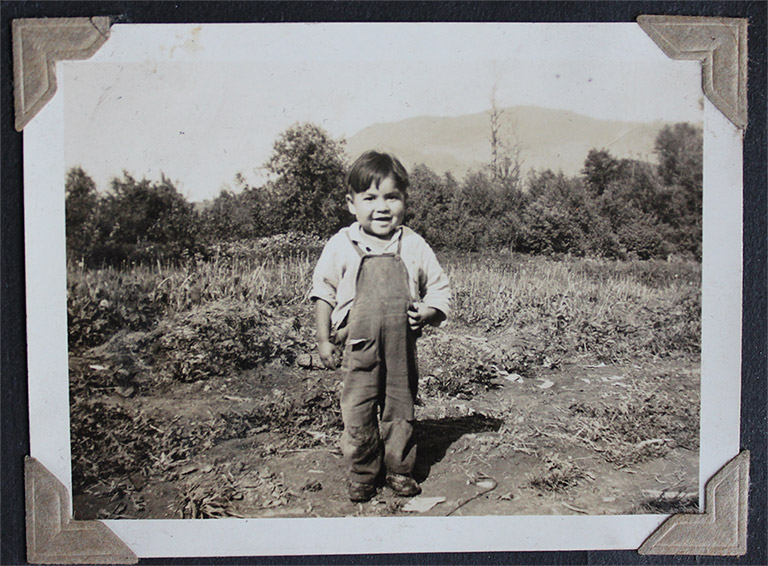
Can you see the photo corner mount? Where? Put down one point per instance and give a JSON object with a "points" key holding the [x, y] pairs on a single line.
{"points": [[54, 537], [38, 43], [721, 530], [721, 46]]}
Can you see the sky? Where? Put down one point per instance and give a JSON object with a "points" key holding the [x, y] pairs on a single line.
{"points": [[203, 103]]}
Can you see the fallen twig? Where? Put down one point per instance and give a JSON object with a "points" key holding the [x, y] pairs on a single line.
{"points": [[652, 441], [574, 508], [294, 450], [463, 502]]}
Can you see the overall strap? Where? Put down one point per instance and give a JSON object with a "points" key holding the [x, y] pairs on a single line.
{"points": [[354, 245]]}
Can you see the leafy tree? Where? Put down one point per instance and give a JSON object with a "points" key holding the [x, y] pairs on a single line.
{"points": [[477, 196], [634, 182], [565, 216], [143, 221], [225, 219], [430, 205], [600, 169], [479, 213], [81, 204], [490, 208], [550, 224], [308, 172], [237, 216], [680, 151]]}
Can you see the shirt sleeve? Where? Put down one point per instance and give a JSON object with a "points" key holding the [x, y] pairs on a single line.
{"points": [[327, 274], [435, 286]]}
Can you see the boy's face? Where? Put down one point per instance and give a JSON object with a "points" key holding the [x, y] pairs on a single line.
{"points": [[379, 210]]}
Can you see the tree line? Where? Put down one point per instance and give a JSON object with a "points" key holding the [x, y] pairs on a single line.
{"points": [[615, 208]]}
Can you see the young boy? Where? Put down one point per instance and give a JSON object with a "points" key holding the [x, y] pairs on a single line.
{"points": [[376, 284]]}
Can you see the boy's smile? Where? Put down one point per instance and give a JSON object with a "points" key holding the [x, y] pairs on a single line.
{"points": [[379, 210]]}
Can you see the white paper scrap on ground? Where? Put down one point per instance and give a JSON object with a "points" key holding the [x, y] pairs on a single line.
{"points": [[421, 504], [545, 384], [606, 379]]}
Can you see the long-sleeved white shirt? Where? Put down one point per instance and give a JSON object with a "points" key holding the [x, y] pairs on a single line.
{"points": [[335, 275]]}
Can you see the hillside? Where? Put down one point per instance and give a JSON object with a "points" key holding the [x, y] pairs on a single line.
{"points": [[555, 139]]}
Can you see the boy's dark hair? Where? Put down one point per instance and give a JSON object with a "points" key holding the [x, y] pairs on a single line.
{"points": [[373, 167]]}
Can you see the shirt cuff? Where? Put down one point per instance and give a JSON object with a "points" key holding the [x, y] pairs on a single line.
{"points": [[314, 295], [441, 306]]}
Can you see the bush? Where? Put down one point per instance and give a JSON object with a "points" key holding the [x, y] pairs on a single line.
{"points": [[222, 337], [136, 222], [146, 221], [235, 216], [102, 302]]}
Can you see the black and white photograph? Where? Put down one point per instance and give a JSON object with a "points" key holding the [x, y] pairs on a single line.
{"points": [[383, 271]]}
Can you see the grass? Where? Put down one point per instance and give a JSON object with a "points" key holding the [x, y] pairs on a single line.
{"points": [[614, 311], [241, 311], [231, 314], [650, 419], [104, 301]]}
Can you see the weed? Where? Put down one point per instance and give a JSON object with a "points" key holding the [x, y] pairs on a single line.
{"points": [[209, 496], [645, 424], [669, 503], [223, 337], [559, 475], [102, 302], [278, 246]]}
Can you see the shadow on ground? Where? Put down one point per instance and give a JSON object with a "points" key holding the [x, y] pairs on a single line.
{"points": [[435, 436]]}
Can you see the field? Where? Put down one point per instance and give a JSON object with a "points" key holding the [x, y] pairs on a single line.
{"points": [[558, 386]]}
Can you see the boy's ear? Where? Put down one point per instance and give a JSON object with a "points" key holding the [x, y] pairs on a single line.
{"points": [[350, 204]]}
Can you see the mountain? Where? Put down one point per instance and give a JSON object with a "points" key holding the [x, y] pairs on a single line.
{"points": [[549, 139]]}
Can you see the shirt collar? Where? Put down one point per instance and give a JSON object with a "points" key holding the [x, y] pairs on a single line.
{"points": [[357, 236]]}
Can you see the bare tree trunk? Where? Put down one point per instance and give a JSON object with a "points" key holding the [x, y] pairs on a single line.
{"points": [[506, 150], [495, 135]]}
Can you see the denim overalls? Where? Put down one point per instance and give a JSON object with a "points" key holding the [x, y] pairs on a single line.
{"points": [[380, 370]]}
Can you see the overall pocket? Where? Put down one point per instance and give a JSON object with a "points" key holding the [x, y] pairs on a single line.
{"points": [[360, 354]]}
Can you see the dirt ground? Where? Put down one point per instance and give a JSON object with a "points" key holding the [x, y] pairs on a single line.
{"points": [[510, 445]]}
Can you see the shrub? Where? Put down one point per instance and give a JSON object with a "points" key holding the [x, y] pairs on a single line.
{"points": [[222, 337], [143, 222]]}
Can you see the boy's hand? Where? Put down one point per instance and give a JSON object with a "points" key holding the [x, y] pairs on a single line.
{"points": [[419, 314], [329, 354]]}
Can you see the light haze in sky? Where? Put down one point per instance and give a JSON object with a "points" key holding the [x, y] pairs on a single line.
{"points": [[203, 103]]}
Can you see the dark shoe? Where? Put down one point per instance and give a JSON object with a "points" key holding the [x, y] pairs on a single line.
{"points": [[361, 492], [404, 486]]}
